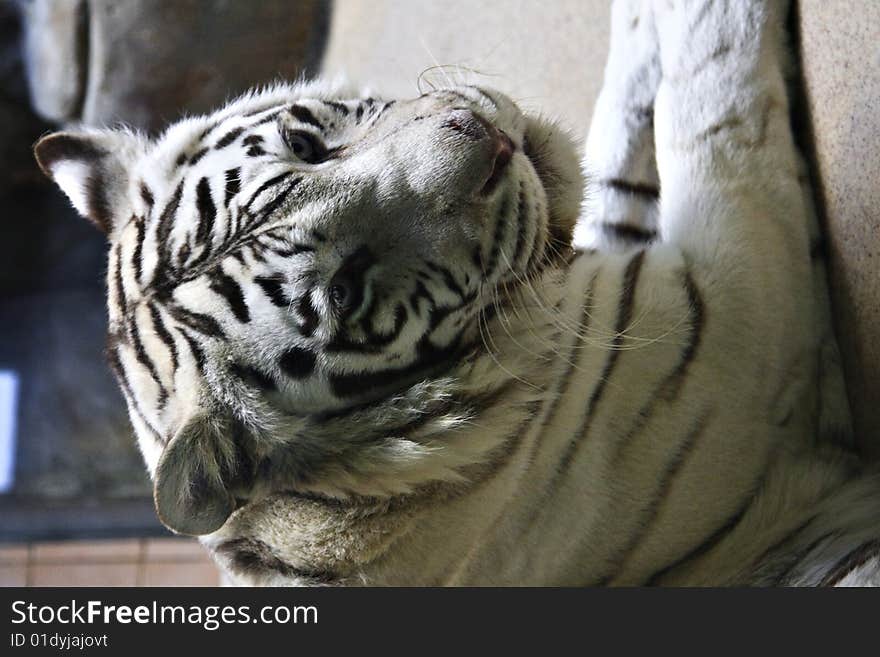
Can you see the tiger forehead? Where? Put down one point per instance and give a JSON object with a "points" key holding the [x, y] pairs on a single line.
{"points": [[187, 142], [210, 166]]}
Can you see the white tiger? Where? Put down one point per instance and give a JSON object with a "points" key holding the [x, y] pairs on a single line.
{"points": [[358, 346]]}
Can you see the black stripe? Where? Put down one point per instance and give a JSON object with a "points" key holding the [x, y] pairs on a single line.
{"points": [[204, 133], [638, 189], [228, 138], [256, 250], [228, 288], [147, 196], [728, 526], [627, 233], [252, 376], [309, 315], [448, 278], [266, 119], [669, 388], [255, 151], [421, 292], [198, 155], [267, 210], [204, 324], [565, 380], [477, 258], [701, 549], [252, 140], [498, 235], [207, 211], [121, 376], [256, 112], [183, 254], [382, 111], [292, 250], [163, 334], [121, 302], [536, 251], [163, 241], [233, 184], [144, 359], [649, 515], [304, 115], [359, 384], [374, 342], [440, 313], [624, 314], [697, 320], [272, 288], [197, 352], [137, 256], [520, 226], [339, 107], [275, 180], [297, 363]]}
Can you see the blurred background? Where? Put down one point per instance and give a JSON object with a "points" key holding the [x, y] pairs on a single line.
{"points": [[75, 501]]}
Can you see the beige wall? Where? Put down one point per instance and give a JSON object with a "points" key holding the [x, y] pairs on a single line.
{"points": [[840, 54], [548, 55]]}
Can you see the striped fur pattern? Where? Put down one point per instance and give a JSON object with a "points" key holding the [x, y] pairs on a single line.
{"points": [[371, 341]]}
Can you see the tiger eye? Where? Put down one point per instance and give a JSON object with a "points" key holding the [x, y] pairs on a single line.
{"points": [[304, 145]]}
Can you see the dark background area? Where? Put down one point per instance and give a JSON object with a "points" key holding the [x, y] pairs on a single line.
{"points": [[77, 467], [78, 472]]}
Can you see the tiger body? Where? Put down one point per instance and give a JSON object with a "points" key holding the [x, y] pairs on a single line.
{"points": [[380, 342]]}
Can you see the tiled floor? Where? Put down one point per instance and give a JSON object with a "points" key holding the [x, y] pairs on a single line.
{"points": [[133, 562]]}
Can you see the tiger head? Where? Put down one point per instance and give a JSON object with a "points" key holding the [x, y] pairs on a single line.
{"points": [[300, 259]]}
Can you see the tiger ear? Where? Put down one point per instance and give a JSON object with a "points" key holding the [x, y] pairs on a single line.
{"points": [[92, 169], [195, 476]]}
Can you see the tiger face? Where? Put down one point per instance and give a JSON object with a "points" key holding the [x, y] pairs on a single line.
{"points": [[302, 253]]}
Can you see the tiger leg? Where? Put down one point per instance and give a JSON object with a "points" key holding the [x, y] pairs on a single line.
{"points": [[732, 201], [623, 187], [736, 193], [733, 204]]}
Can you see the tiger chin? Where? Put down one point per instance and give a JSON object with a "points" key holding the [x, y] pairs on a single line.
{"points": [[385, 341]]}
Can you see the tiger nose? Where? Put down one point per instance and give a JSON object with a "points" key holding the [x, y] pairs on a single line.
{"points": [[492, 147], [346, 286]]}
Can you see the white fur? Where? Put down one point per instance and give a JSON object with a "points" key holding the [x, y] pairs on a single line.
{"points": [[672, 413], [71, 176]]}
